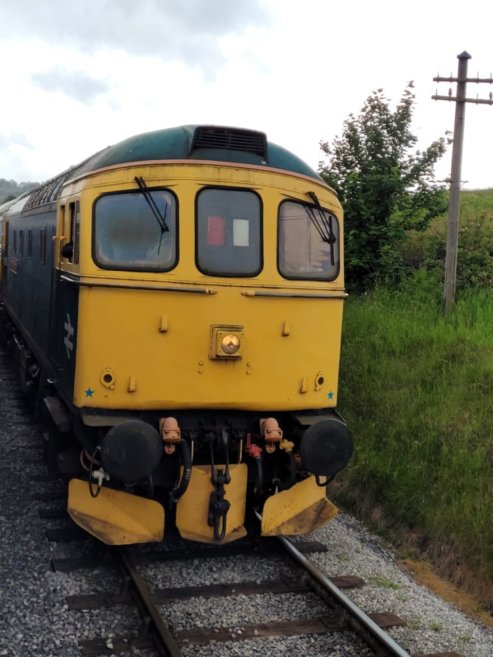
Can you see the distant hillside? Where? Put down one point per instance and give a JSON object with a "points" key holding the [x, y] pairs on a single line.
{"points": [[10, 189]]}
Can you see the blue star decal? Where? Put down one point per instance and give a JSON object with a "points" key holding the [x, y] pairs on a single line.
{"points": [[330, 395], [89, 392]]}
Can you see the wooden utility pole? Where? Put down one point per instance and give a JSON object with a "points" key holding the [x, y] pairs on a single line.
{"points": [[460, 100]]}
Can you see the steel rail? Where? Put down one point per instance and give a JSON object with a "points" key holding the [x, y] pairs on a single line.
{"points": [[379, 640], [156, 626]]}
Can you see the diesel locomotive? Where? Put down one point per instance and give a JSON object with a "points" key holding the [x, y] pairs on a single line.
{"points": [[174, 307]]}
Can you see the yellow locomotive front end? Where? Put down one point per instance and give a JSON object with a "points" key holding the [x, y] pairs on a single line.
{"points": [[208, 328]]}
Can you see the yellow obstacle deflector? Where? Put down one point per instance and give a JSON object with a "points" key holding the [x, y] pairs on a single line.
{"points": [[115, 517], [298, 510], [192, 511]]}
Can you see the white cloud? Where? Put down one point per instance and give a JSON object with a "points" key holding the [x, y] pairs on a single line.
{"points": [[170, 29], [76, 84], [85, 75]]}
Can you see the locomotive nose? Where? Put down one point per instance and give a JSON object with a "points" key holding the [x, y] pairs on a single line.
{"points": [[326, 447], [131, 451]]}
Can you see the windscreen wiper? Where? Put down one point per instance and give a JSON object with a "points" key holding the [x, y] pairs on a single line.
{"points": [[323, 224], [160, 218]]}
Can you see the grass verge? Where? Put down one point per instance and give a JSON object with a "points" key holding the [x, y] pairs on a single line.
{"points": [[416, 390]]}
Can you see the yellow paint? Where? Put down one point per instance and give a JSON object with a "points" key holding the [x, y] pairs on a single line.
{"points": [[297, 511], [303, 386], [193, 507], [115, 517], [126, 328], [167, 370]]}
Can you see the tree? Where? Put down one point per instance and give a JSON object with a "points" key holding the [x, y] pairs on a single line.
{"points": [[10, 189], [384, 187]]}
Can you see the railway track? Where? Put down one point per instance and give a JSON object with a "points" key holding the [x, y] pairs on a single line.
{"points": [[326, 610]]}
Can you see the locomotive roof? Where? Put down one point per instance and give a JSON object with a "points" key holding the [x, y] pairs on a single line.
{"points": [[198, 142], [189, 142]]}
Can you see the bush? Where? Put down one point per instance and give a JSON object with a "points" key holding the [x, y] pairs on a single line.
{"points": [[475, 250]]}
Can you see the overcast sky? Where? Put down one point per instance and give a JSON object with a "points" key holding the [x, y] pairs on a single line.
{"points": [[79, 75]]}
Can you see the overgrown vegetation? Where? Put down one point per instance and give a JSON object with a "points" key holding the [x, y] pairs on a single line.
{"points": [[416, 389], [384, 186]]}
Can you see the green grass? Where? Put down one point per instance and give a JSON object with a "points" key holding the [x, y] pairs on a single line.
{"points": [[416, 390], [384, 583]]}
